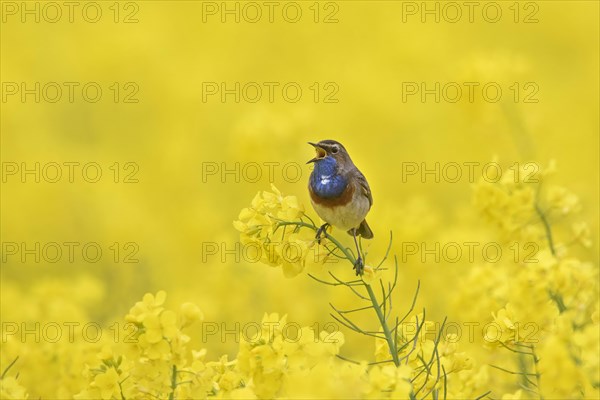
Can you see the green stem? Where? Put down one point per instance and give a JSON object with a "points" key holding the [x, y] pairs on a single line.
{"points": [[546, 228], [384, 325], [560, 303], [344, 250], [544, 220], [121, 390], [536, 360], [7, 368], [380, 316], [173, 383]]}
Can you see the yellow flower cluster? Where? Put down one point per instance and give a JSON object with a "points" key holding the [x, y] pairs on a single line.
{"points": [[535, 307], [431, 362], [280, 351], [277, 362], [543, 310], [522, 205], [539, 317], [156, 361], [48, 336], [270, 226]]}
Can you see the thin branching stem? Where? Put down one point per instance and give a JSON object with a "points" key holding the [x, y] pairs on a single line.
{"points": [[384, 301], [355, 328], [414, 302], [355, 309], [173, 382], [345, 283], [445, 382], [547, 228], [323, 281], [426, 364], [349, 287], [538, 376], [483, 395], [511, 372], [415, 338], [391, 287], [341, 357], [376, 304], [8, 367], [384, 325], [515, 350], [545, 222], [387, 252]]}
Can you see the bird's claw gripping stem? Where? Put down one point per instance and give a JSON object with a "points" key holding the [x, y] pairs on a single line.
{"points": [[359, 266], [320, 232]]}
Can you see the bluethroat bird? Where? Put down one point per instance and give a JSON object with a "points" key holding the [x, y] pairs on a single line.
{"points": [[340, 193]]}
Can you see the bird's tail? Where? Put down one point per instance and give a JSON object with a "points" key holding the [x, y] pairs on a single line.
{"points": [[363, 230]]}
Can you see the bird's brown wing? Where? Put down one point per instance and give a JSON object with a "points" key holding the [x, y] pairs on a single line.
{"points": [[364, 186]]}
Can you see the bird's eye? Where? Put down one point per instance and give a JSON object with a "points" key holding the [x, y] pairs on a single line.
{"points": [[334, 150]]}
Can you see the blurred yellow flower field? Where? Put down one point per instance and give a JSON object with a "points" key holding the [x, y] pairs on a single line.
{"points": [[158, 239]]}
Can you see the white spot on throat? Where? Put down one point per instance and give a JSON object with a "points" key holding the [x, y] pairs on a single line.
{"points": [[325, 179]]}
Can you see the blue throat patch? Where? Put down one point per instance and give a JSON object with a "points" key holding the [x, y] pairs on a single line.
{"points": [[325, 181]]}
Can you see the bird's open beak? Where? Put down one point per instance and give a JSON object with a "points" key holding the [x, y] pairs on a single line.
{"points": [[321, 153]]}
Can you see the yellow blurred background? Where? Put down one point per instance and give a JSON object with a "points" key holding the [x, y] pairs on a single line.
{"points": [[187, 153]]}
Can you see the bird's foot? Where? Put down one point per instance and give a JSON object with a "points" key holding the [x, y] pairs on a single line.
{"points": [[359, 266], [320, 232]]}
